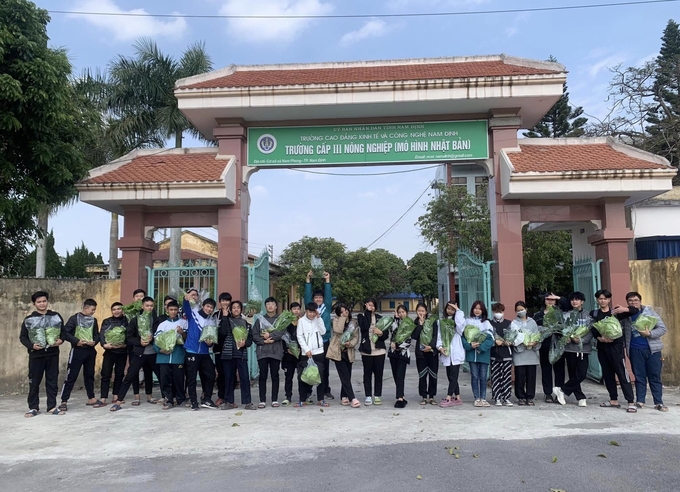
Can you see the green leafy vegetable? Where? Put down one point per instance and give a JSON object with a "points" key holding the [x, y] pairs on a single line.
{"points": [[508, 337], [609, 328], [310, 374], [427, 332], [383, 324], [52, 334], [447, 328], [294, 348], [473, 334], [209, 332], [144, 322], [167, 340], [282, 322], [348, 334], [36, 335], [644, 322], [404, 330], [133, 309], [240, 333], [253, 306], [115, 335], [84, 333]]}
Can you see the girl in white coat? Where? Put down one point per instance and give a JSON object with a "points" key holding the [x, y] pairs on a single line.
{"points": [[456, 356]]}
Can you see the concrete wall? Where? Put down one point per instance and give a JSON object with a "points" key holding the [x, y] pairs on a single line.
{"points": [[658, 281], [66, 297], [649, 221]]}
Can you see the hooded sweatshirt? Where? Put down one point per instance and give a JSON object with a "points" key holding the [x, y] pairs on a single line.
{"points": [[79, 319], [109, 323], [521, 355], [54, 319], [267, 350], [654, 340]]}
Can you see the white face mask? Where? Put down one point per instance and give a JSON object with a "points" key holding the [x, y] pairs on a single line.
{"points": [[521, 314], [498, 316]]}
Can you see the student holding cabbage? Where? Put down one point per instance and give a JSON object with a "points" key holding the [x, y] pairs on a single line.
{"points": [[546, 318], [501, 357], [82, 332], [374, 331], [43, 359], [113, 339], [477, 342], [235, 337], [310, 332], [291, 354], [341, 351], [610, 348], [643, 332], [451, 351], [525, 354], [169, 344], [399, 354], [427, 363]]}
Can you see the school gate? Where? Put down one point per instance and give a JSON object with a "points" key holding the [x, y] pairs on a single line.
{"points": [[458, 110]]}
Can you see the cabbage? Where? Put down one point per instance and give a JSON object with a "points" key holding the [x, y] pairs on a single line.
{"points": [[167, 340], [427, 332], [348, 334], [531, 337], [508, 337], [294, 348], [383, 324], [115, 335], [144, 322], [84, 333], [404, 330], [240, 333], [447, 328], [209, 332], [645, 322], [52, 334], [282, 322], [553, 317], [609, 328], [473, 334], [310, 374]]}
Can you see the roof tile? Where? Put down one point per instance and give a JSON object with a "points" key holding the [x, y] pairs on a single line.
{"points": [[357, 74], [165, 168], [586, 157]]}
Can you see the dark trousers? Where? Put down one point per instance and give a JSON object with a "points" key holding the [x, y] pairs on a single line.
{"points": [[647, 367], [137, 363], [428, 367], [325, 374], [135, 383], [612, 360], [525, 382], [172, 382], [452, 375], [399, 374], [200, 365], [305, 390], [112, 361], [230, 368], [80, 358], [547, 369], [577, 365], [289, 367], [344, 368], [37, 368], [272, 366], [374, 366], [220, 376]]}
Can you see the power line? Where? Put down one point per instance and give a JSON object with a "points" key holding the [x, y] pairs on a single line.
{"points": [[364, 174], [402, 216], [363, 16]]}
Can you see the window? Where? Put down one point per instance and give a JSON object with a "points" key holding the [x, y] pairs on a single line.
{"points": [[392, 305], [481, 186], [458, 181], [406, 303]]}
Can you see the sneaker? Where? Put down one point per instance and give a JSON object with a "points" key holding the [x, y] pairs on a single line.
{"points": [[209, 404], [377, 400], [485, 403], [329, 396], [478, 403], [499, 403], [508, 403], [582, 403], [368, 401], [559, 395], [194, 406], [250, 406]]}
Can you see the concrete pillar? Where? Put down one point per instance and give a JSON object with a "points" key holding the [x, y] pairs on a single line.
{"points": [[232, 220], [506, 222], [611, 246], [137, 254]]}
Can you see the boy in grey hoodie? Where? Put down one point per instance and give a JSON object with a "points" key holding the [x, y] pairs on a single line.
{"points": [[269, 351]]}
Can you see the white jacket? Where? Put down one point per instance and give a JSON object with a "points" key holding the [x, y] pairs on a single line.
{"points": [[310, 335], [456, 349]]}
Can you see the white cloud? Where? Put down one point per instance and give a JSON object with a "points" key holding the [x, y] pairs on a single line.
{"points": [[367, 194], [259, 190], [371, 29], [513, 28], [604, 63], [271, 30], [127, 28]]}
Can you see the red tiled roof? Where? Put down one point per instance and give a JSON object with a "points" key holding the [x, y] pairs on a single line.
{"points": [[586, 157], [187, 254], [165, 168], [356, 74]]}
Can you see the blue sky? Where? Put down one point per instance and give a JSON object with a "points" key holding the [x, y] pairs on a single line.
{"points": [[354, 210]]}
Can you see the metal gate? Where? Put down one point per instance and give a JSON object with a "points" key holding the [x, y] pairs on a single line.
{"points": [[258, 290], [587, 279], [474, 280], [175, 280]]}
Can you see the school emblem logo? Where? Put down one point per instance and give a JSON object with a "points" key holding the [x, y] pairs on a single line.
{"points": [[266, 143]]}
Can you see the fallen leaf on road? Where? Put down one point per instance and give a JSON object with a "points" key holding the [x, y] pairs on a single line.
{"points": [[419, 477], [235, 425], [321, 410], [475, 456], [238, 414], [601, 455], [614, 443], [456, 456], [554, 460], [456, 447], [557, 490], [395, 414], [480, 414], [451, 451]]}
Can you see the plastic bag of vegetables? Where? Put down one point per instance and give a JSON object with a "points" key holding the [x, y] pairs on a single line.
{"points": [[52, 334], [84, 328], [115, 335], [310, 374], [240, 333], [383, 324], [209, 331], [36, 330], [167, 340], [645, 322], [609, 328], [473, 334], [404, 330], [348, 334], [447, 328], [427, 332]]}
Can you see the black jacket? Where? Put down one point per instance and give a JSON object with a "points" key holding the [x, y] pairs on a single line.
{"points": [[433, 343], [69, 332], [24, 339], [292, 332], [225, 341], [499, 328], [364, 320], [133, 338], [109, 323]]}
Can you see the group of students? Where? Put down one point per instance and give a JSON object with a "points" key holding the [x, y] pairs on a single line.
{"points": [[322, 339]]}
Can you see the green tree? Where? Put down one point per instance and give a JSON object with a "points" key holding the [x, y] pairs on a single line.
{"points": [[53, 266], [371, 274], [561, 121], [422, 276], [44, 127], [75, 263], [547, 262]]}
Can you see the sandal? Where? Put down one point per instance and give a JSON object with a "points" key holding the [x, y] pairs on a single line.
{"points": [[63, 407], [55, 411], [356, 403], [324, 404], [98, 404], [631, 409], [275, 404], [136, 403], [31, 413], [423, 401], [153, 401], [661, 408], [167, 406], [640, 405], [116, 407], [433, 402], [300, 404], [608, 404], [344, 401], [261, 405]]}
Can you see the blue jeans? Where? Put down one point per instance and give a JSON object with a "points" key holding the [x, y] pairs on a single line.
{"points": [[647, 367], [478, 377]]}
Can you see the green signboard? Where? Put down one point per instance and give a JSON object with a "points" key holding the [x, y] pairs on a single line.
{"points": [[397, 143]]}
